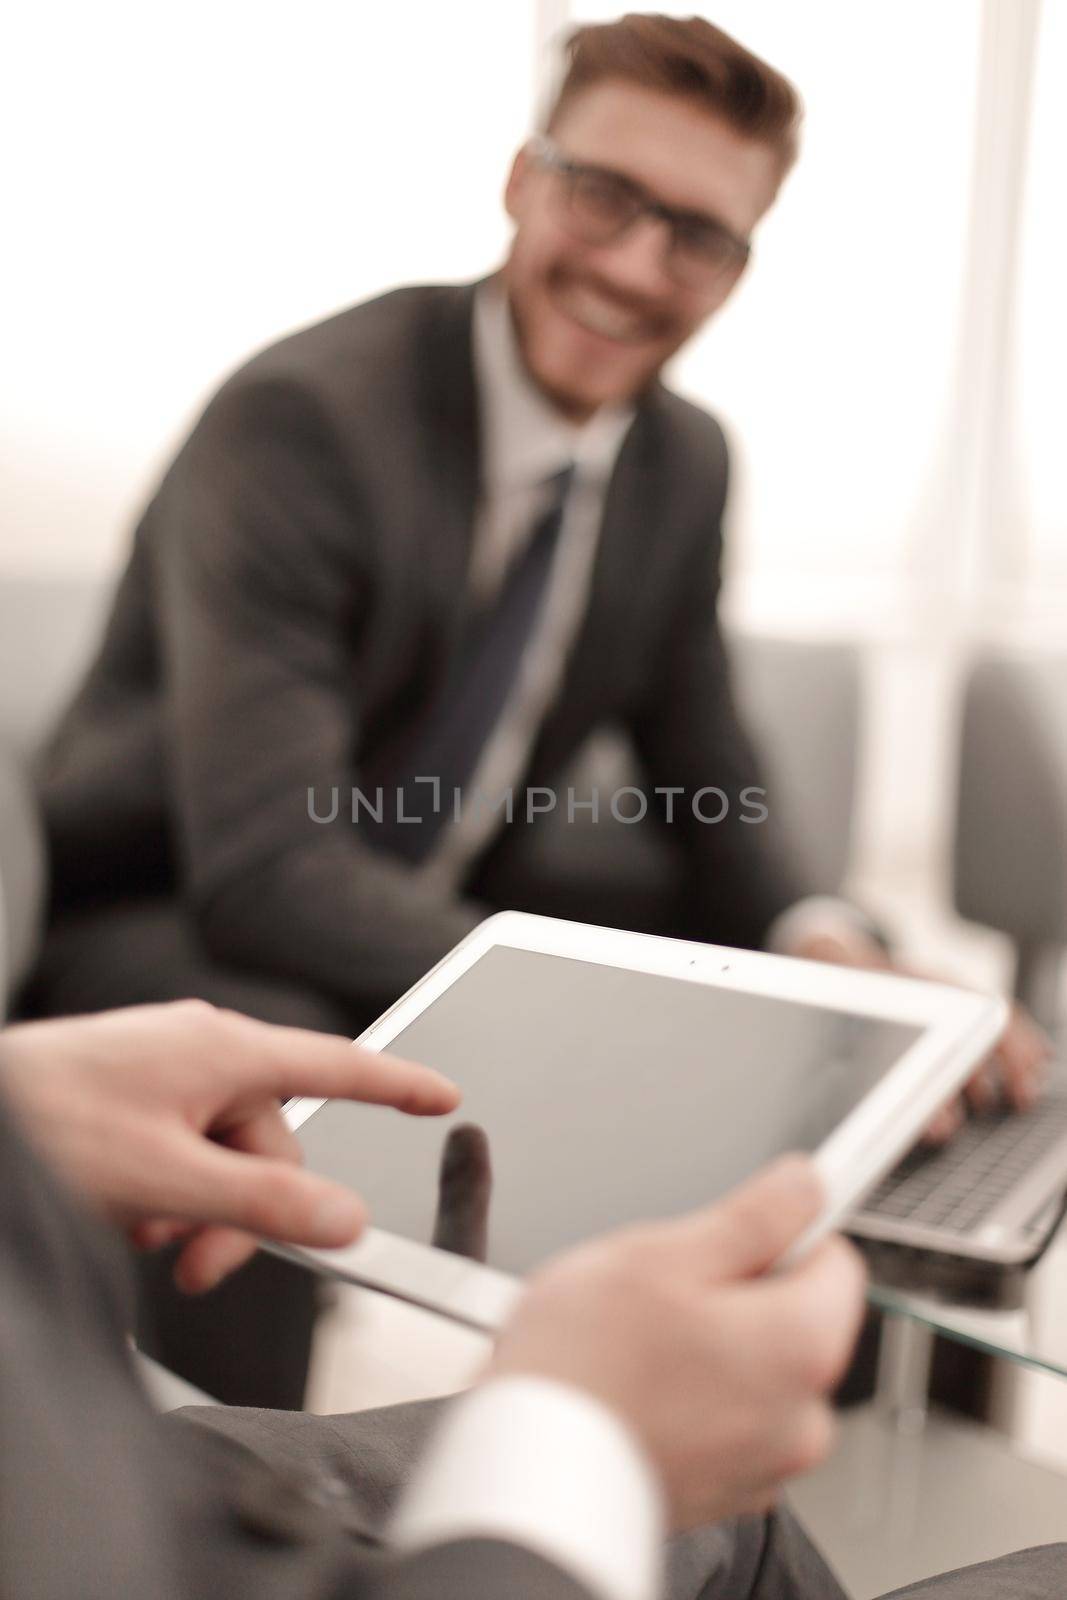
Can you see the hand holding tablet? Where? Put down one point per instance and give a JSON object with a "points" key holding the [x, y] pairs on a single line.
{"points": [[685, 1309]]}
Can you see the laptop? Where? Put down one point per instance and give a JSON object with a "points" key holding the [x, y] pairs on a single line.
{"points": [[965, 1219]]}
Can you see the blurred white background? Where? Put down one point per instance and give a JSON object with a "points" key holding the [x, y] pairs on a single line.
{"points": [[185, 185]]}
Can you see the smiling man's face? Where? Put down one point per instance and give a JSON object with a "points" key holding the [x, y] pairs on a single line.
{"points": [[596, 322]]}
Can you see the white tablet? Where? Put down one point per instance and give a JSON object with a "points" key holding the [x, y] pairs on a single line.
{"points": [[613, 1076]]}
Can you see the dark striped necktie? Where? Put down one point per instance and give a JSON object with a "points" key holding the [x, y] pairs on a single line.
{"points": [[474, 693]]}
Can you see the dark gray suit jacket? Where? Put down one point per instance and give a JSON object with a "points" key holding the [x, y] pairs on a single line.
{"points": [[296, 588]]}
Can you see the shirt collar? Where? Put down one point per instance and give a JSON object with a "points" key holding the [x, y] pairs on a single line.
{"points": [[525, 439]]}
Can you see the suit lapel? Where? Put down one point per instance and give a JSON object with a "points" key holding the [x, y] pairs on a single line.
{"points": [[450, 429]]}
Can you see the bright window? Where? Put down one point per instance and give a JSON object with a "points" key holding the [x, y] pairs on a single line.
{"points": [[833, 365]]}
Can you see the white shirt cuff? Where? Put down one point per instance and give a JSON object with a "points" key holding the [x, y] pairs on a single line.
{"points": [[539, 1464], [818, 916]]}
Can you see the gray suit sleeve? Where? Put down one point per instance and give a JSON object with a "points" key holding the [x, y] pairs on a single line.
{"points": [[1035, 1574], [370, 1456], [366, 1458], [264, 573], [472, 1569]]}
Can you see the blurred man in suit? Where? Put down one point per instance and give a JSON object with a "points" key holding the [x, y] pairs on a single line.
{"points": [[428, 547], [652, 1381], [408, 561]]}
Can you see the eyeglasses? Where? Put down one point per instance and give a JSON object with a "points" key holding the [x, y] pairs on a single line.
{"points": [[601, 206]]}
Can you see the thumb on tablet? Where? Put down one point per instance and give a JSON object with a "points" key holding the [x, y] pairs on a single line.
{"points": [[748, 1230]]}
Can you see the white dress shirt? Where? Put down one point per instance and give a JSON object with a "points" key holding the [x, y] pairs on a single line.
{"points": [[526, 443], [544, 1466]]}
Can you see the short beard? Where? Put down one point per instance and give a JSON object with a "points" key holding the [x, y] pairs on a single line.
{"points": [[575, 408]]}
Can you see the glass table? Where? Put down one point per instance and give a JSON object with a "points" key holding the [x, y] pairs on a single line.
{"points": [[1030, 1336], [1015, 1335], [915, 1487]]}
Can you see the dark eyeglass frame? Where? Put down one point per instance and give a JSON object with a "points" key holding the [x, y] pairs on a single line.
{"points": [[682, 224]]}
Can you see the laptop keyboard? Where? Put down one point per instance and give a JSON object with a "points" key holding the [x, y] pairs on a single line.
{"points": [[957, 1186]]}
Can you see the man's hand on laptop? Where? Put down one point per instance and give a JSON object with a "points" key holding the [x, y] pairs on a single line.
{"points": [[720, 1369], [168, 1120], [1012, 1073]]}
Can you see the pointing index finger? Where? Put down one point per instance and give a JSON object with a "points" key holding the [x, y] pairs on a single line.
{"points": [[391, 1081], [295, 1061]]}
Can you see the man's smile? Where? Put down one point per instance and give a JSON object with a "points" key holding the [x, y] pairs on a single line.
{"points": [[597, 313]]}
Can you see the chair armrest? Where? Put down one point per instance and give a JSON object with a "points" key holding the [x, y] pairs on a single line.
{"points": [[1010, 868], [22, 873], [803, 701]]}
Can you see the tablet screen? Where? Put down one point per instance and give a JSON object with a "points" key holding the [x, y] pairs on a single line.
{"points": [[596, 1097]]}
